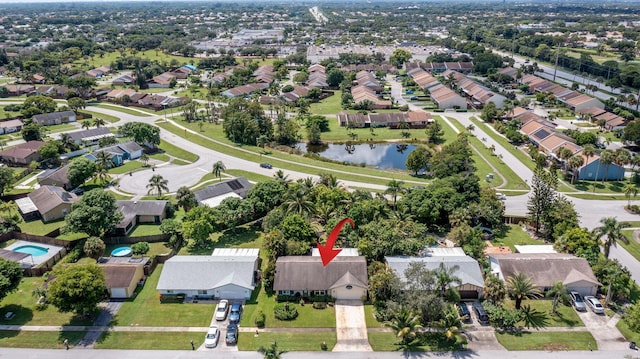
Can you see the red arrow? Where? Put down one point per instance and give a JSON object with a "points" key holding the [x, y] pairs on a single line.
{"points": [[327, 253]]}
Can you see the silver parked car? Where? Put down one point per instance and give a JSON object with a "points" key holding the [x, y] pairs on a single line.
{"points": [[578, 302], [594, 303], [211, 339]]}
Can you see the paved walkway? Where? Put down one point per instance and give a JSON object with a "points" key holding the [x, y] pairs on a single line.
{"points": [[351, 327], [109, 310]]}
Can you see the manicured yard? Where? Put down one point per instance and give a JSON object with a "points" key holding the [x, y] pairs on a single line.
{"points": [[146, 310], [39, 227], [160, 157], [127, 110], [150, 340], [145, 230], [624, 329], [254, 177], [633, 247], [23, 304], [103, 116], [160, 56], [329, 106], [566, 317], [126, 167], [38, 340], [59, 128], [177, 152], [287, 341], [372, 322], [548, 341], [386, 341], [512, 236]]}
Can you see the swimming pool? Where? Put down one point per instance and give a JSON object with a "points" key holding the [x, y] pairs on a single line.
{"points": [[35, 251], [121, 252]]}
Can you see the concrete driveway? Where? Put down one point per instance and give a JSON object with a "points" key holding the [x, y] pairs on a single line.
{"points": [[482, 338], [604, 330], [351, 327]]}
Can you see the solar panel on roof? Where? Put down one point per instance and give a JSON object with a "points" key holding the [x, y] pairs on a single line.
{"points": [[542, 133], [235, 185]]}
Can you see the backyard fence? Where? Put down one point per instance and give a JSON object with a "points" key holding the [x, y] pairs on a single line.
{"points": [[131, 240]]}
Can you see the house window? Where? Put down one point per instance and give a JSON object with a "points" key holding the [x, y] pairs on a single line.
{"points": [[169, 292], [349, 286], [202, 292], [284, 292], [319, 292]]}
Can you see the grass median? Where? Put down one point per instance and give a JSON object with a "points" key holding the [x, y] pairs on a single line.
{"points": [[548, 341], [151, 340], [134, 112], [287, 341]]}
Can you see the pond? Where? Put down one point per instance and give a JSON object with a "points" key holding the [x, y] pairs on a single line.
{"points": [[381, 155]]}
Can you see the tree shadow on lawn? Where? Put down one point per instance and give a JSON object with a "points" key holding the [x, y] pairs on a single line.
{"points": [[566, 321], [22, 315], [615, 187]]}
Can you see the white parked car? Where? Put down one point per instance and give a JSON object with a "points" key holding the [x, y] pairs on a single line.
{"points": [[594, 304], [211, 339], [501, 196], [222, 309]]}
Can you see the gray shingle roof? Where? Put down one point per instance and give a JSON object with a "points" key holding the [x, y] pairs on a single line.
{"points": [[469, 270], [207, 272], [130, 209], [236, 185], [53, 115], [48, 197], [307, 272], [80, 135]]}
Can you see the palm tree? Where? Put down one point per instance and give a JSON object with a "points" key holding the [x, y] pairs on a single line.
{"points": [[86, 124], [394, 188], [185, 198], [101, 175], [612, 229], [574, 163], [405, 324], [629, 189], [158, 184], [559, 292], [446, 276], [329, 180], [98, 122], [298, 202], [281, 177], [104, 159], [217, 170], [66, 141], [145, 159], [272, 352], [606, 158], [521, 287]]}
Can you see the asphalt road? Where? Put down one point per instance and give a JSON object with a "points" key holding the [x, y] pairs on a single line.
{"points": [[11, 353]]}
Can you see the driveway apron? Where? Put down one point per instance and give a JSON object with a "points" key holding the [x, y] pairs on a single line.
{"points": [[351, 327]]}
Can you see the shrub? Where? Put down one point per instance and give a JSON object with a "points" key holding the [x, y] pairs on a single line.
{"points": [[323, 346], [140, 248], [319, 305], [260, 319], [285, 311]]}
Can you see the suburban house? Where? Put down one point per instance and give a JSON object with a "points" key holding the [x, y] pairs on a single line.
{"points": [[98, 72], [594, 170], [124, 80], [575, 100], [55, 177], [89, 136], [478, 94], [228, 273], [467, 269], [245, 90], [49, 202], [10, 126], [546, 269], [344, 278], [129, 150], [161, 81], [122, 275], [446, 98], [140, 211], [22, 154], [363, 93], [53, 91], [19, 90], [414, 119], [213, 195], [54, 118]]}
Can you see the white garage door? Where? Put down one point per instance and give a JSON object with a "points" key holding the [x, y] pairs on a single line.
{"points": [[118, 293], [348, 292], [231, 295]]}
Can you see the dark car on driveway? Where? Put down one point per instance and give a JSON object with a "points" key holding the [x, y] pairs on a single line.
{"points": [[481, 314], [266, 165], [463, 311], [232, 334], [236, 311]]}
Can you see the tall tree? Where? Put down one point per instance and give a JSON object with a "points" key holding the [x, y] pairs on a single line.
{"points": [[94, 247], [157, 184], [94, 214], [521, 287], [405, 324], [80, 170], [612, 230], [560, 293], [77, 288], [394, 188], [542, 197], [445, 276], [185, 198], [574, 163], [630, 189], [10, 276], [218, 169], [6, 179]]}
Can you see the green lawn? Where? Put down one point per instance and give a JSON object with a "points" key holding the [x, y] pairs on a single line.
{"points": [[244, 237], [160, 157], [287, 341], [123, 109], [566, 317], [126, 167], [159, 56], [59, 128], [107, 118], [513, 235], [633, 247], [177, 152], [624, 329], [371, 320], [254, 177], [386, 341], [23, 304], [523, 157], [150, 340], [329, 106], [39, 227], [145, 230], [548, 341], [38, 340], [146, 310]]}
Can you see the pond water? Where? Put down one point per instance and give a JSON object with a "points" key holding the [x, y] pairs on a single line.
{"points": [[381, 155]]}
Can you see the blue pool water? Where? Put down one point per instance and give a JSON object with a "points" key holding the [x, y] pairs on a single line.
{"points": [[35, 251], [121, 252]]}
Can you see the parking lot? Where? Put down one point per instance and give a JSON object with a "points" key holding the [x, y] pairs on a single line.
{"points": [[222, 326]]}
